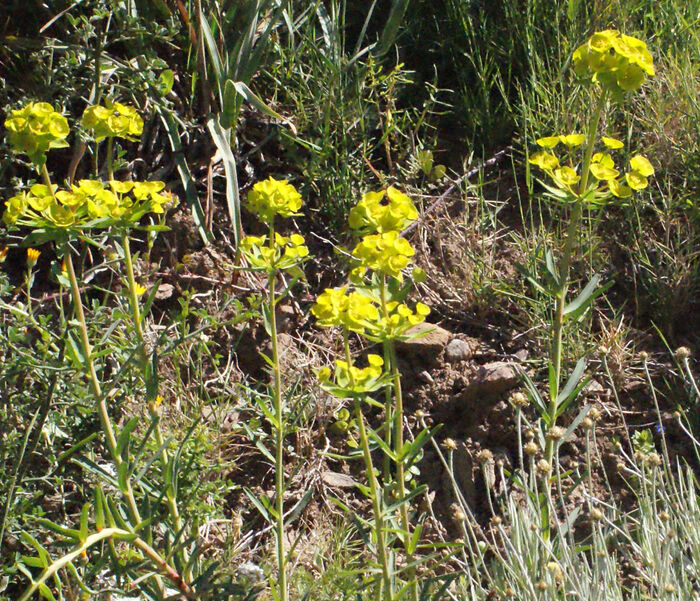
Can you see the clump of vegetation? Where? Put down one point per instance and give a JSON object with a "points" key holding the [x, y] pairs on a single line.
{"points": [[226, 373]]}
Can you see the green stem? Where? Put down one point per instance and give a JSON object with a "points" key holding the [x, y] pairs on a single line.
{"points": [[102, 410], [401, 466], [109, 159], [388, 406], [375, 490], [387, 593], [564, 272], [143, 357], [279, 431]]}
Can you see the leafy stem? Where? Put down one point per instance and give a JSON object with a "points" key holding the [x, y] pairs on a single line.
{"points": [[564, 273], [279, 429]]}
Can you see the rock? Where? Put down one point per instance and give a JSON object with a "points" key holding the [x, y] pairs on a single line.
{"points": [[164, 291], [461, 350], [336, 480], [491, 379], [430, 344], [425, 376]]}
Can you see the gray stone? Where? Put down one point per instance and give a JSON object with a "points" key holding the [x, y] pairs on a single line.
{"points": [[337, 480], [432, 339], [491, 379], [460, 350]]}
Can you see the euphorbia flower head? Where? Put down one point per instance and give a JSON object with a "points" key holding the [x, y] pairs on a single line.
{"points": [[617, 61], [274, 197], [36, 128], [384, 211]]}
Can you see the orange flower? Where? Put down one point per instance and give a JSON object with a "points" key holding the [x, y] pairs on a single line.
{"points": [[32, 257]]}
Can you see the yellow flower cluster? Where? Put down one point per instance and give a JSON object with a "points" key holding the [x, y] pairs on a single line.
{"points": [[617, 61], [34, 129], [602, 168], [285, 253], [337, 307], [85, 202], [387, 253], [384, 211], [398, 320], [351, 380], [116, 120], [274, 197]]}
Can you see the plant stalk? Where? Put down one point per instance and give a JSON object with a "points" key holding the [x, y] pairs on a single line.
{"points": [[279, 432], [564, 273]]}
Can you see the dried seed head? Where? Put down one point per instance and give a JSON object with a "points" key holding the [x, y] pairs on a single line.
{"points": [[530, 434], [587, 423], [603, 350], [497, 520], [460, 516], [594, 414], [644, 356], [556, 571], [542, 586], [682, 353], [665, 517], [620, 467], [449, 444], [519, 400], [543, 467], [574, 465], [596, 514], [654, 459], [420, 414], [556, 433], [670, 589], [531, 448], [484, 456]]}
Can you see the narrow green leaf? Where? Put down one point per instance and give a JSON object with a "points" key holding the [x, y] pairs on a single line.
{"points": [[84, 517], [584, 297], [573, 380], [124, 435], [222, 140], [188, 183], [258, 103]]}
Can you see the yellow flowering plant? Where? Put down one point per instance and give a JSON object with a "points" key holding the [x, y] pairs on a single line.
{"points": [[273, 197], [35, 129], [278, 253], [385, 211], [65, 216], [375, 308], [349, 381], [619, 62], [607, 182], [116, 120], [583, 172]]}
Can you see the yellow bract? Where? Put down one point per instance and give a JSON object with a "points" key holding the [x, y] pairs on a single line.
{"points": [[603, 166], [354, 380], [116, 120], [398, 320], [388, 253], [617, 61], [382, 211], [573, 140], [36, 128], [545, 160], [274, 197], [285, 253], [642, 165], [612, 143], [85, 202], [337, 307], [566, 176]]}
